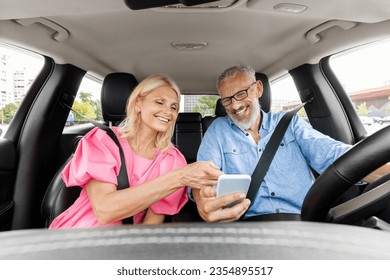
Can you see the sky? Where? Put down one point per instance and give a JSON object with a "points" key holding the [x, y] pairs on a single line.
{"points": [[361, 68], [32, 64], [364, 68]]}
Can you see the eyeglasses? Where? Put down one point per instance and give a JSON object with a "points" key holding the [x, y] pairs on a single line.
{"points": [[242, 94]]}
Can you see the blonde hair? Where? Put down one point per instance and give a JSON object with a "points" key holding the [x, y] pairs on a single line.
{"points": [[130, 126]]}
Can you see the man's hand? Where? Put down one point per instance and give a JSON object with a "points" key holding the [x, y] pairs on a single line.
{"points": [[211, 209]]}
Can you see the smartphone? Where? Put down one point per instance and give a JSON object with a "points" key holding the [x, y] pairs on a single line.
{"points": [[231, 183]]}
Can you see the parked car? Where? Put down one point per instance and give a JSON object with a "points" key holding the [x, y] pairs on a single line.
{"points": [[300, 40], [366, 120], [384, 120]]}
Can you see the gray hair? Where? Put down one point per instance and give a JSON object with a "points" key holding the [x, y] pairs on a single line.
{"points": [[232, 71]]}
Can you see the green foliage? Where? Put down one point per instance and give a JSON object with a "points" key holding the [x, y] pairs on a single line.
{"points": [[206, 105], [362, 109], [98, 109], [8, 112], [86, 97], [302, 112], [85, 109], [388, 105]]}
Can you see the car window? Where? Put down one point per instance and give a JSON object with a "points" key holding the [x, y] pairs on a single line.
{"points": [[285, 96], [87, 102], [204, 104], [364, 74], [18, 69]]}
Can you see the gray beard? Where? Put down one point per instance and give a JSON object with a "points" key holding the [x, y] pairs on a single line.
{"points": [[244, 125]]}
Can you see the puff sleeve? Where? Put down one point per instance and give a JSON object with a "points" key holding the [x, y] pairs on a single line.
{"points": [[96, 157]]}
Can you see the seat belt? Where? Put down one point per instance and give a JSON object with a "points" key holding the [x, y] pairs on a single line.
{"points": [[123, 178], [269, 153]]}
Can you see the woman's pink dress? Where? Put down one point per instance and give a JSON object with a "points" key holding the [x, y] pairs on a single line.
{"points": [[97, 157]]}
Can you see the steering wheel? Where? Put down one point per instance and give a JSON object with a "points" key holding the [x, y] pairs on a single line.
{"points": [[362, 159]]}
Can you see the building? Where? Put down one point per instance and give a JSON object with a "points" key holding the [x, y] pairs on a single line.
{"points": [[13, 83], [20, 85], [3, 81], [377, 100]]}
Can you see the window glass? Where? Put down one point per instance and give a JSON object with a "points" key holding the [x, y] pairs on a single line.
{"points": [[18, 70], [204, 104], [365, 76], [87, 102], [285, 96]]}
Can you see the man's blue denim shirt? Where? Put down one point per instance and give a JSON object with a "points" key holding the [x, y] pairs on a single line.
{"points": [[289, 177]]}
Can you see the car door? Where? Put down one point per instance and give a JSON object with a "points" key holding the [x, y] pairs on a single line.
{"points": [[29, 148], [20, 74]]}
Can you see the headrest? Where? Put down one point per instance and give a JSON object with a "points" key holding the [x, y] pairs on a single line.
{"points": [[265, 99], [219, 109], [188, 117], [116, 89]]}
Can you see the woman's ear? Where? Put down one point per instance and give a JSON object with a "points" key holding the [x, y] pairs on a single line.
{"points": [[138, 105]]}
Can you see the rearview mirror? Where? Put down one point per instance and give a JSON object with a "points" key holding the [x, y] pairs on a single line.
{"points": [[142, 4]]}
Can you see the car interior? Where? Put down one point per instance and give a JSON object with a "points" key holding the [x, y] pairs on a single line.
{"points": [[122, 42]]}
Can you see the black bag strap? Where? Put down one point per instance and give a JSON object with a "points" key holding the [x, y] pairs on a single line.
{"points": [[269, 153], [123, 178]]}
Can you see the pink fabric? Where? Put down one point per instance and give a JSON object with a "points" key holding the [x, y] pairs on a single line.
{"points": [[97, 157]]}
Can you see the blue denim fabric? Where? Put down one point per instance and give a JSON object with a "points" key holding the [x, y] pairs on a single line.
{"points": [[288, 178]]}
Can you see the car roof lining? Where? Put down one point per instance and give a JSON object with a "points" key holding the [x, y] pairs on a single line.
{"points": [[149, 48], [352, 10]]}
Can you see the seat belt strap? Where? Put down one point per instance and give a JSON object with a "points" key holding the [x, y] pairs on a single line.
{"points": [[269, 153], [123, 182]]}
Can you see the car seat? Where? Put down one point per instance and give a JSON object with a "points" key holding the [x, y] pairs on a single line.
{"points": [[116, 89], [188, 134]]}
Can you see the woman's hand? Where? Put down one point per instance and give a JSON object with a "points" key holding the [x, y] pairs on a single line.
{"points": [[200, 174]]}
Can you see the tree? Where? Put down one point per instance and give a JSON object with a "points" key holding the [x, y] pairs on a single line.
{"points": [[8, 112], [302, 112], [206, 105], [86, 97], [388, 105], [98, 109], [87, 105], [362, 109], [85, 109]]}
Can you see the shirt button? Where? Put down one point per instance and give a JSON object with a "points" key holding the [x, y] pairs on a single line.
{"points": [[273, 194], [234, 150], [260, 150], [247, 134], [277, 210], [282, 144]]}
